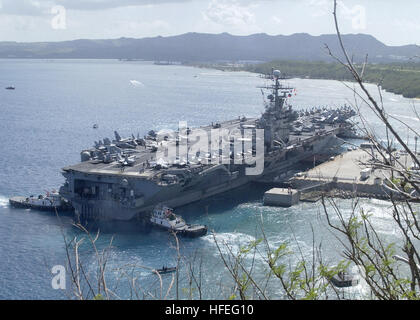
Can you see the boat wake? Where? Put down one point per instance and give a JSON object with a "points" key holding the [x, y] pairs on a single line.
{"points": [[359, 291], [234, 240], [380, 202], [4, 202], [217, 74], [405, 117], [136, 83]]}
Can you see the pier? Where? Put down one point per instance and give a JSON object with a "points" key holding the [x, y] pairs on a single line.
{"points": [[281, 197], [352, 174]]}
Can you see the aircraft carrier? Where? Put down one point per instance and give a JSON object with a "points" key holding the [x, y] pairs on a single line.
{"points": [[125, 179]]}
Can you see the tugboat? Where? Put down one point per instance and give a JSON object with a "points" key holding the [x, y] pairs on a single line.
{"points": [[51, 202], [164, 217], [343, 280]]}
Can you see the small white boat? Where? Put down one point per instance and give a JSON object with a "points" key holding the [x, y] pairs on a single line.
{"points": [[164, 217]]}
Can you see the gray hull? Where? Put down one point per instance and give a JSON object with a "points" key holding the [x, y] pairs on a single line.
{"points": [[106, 205], [125, 179]]}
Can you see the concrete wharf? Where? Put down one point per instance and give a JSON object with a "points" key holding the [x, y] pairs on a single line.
{"points": [[352, 174]]}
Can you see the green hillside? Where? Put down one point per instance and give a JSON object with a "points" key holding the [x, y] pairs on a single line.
{"points": [[401, 78]]}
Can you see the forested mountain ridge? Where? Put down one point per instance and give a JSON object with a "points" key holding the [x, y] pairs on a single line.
{"points": [[202, 47]]}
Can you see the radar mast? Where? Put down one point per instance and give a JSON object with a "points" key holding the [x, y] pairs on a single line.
{"points": [[279, 92]]}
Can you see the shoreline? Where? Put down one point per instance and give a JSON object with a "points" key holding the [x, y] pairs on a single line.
{"points": [[244, 67]]}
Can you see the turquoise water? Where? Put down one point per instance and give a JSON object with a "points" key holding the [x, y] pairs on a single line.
{"points": [[47, 121]]}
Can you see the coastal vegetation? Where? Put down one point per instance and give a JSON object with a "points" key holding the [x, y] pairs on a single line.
{"points": [[399, 78], [389, 270], [362, 243]]}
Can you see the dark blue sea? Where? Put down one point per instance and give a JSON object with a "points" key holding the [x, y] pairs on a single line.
{"points": [[47, 121]]}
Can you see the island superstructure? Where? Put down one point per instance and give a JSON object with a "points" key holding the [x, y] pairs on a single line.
{"points": [[125, 179]]}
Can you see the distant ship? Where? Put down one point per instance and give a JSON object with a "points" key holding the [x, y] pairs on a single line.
{"points": [[10, 88], [166, 63], [123, 179], [130, 60]]}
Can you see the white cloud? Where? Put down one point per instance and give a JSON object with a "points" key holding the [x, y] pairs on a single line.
{"points": [[356, 14], [30, 20], [42, 7], [134, 28], [320, 7], [276, 20], [25, 7], [230, 13], [407, 25], [110, 4], [20, 24]]}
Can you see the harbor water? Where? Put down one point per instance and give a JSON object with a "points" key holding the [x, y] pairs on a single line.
{"points": [[48, 120]]}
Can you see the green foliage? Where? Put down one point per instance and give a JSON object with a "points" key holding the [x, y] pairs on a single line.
{"points": [[407, 187], [394, 181], [399, 78], [329, 272], [252, 245]]}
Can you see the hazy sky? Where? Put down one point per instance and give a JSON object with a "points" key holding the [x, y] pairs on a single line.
{"points": [[392, 22]]}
